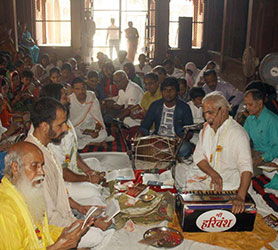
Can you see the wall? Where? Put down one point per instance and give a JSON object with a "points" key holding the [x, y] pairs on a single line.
{"points": [[264, 32], [6, 18]]}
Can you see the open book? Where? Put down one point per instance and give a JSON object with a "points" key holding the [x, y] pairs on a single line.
{"points": [[112, 209], [163, 179], [94, 212], [137, 111], [120, 175]]}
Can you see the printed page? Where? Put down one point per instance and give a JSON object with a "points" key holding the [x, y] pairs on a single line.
{"points": [[120, 174], [112, 209], [94, 212]]}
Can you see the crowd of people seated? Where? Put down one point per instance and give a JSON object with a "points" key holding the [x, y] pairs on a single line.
{"points": [[63, 106]]}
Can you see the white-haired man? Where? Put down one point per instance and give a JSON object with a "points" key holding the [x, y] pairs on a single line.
{"points": [[49, 119], [24, 224], [223, 150]]}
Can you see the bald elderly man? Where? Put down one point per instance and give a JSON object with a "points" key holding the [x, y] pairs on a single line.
{"points": [[24, 223]]}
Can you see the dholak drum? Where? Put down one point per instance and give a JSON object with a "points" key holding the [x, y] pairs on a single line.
{"points": [[155, 148]]}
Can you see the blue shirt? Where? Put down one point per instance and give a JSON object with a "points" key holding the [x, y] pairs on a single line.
{"points": [[182, 117], [263, 131]]}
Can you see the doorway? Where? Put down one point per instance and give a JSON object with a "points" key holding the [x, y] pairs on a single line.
{"points": [[123, 11]]}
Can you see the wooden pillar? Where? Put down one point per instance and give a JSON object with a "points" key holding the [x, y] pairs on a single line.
{"points": [[249, 23], [162, 29], [44, 40], [222, 51], [77, 9], [14, 25]]}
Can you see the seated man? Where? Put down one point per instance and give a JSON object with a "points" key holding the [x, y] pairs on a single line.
{"points": [[49, 119], [81, 180], [169, 115], [85, 115], [153, 92], [223, 151], [130, 94], [171, 70], [142, 68], [22, 206], [184, 90], [121, 60], [233, 95], [161, 72], [262, 128], [95, 85], [66, 72]]}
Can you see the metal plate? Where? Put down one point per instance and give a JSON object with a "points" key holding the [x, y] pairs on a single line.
{"points": [[147, 197], [171, 237]]}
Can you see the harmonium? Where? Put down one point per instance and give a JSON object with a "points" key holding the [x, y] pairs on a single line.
{"points": [[211, 211]]}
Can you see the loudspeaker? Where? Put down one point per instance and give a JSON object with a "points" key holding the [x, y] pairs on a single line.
{"points": [[185, 33]]}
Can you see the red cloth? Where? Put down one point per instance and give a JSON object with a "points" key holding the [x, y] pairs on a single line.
{"points": [[110, 88], [5, 117]]}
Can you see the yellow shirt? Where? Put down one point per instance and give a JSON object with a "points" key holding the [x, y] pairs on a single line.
{"points": [[148, 98], [17, 229]]}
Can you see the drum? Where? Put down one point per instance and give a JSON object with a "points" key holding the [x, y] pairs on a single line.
{"points": [[155, 148]]}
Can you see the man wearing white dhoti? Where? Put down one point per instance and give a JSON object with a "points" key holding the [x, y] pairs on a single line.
{"points": [[223, 150], [85, 115], [49, 119], [80, 180]]}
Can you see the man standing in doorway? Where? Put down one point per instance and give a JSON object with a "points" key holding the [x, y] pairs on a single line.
{"points": [[90, 30], [132, 36], [113, 34]]}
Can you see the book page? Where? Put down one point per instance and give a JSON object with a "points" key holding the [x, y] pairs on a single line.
{"points": [[164, 178], [120, 174], [112, 209], [94, 212]]}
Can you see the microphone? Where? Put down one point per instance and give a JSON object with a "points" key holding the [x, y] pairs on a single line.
{"points": [[212, 121]]}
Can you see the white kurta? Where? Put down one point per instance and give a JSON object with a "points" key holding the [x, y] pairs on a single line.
{"points": [[85, 193], [197, 113], [132, 95], [233, 156], [178, 73], [86, 116]]}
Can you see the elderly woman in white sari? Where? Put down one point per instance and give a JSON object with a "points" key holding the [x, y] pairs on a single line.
{"points": [[199, 82], [191, 73]]}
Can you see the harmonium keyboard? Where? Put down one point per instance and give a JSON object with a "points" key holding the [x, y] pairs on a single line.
{"points": [[211, 211]]}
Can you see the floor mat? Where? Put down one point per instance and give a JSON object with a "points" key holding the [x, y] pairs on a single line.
{"points": [[258, 185]]}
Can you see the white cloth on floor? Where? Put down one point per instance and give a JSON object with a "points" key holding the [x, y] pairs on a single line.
{"points": [[85, 193]]}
